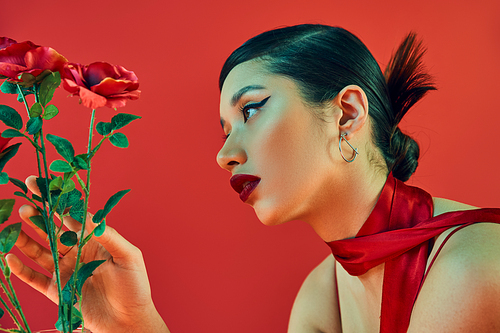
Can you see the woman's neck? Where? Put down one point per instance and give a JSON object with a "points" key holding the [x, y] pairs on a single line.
{"points": [[347, 204]]}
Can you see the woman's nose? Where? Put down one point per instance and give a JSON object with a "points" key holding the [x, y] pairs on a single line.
{"points": [[230, 156]]}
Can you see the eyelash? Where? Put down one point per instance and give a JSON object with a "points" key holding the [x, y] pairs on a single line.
{"points": [[252, 106], [246, 108]]}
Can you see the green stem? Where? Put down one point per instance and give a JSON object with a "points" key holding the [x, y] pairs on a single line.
{"points": [[96, 148], [81, 242], [82, 184], [16, 321], [12, 298], [10, 331], [50, 221], [17, 305], [24, 99]]}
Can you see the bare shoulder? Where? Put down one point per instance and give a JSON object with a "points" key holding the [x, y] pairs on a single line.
{"points": [[316, 307], [461, 291]]}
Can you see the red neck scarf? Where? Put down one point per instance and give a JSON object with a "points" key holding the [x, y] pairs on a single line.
{"points": [[398, 233]]}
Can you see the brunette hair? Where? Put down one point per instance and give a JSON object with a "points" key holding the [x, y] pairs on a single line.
{"points": [[323, 60]]}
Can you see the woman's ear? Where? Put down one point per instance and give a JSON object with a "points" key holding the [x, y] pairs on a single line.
{"points": [[354, 106]]}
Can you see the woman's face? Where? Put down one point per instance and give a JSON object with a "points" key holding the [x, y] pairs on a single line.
{"points": [[273, 135]]}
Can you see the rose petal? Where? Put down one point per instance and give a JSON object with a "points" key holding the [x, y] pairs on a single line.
{"points": [[11, 70], [120, 100], [45, 58], [129, 95], [15, 53], [116, 102], [110, 86], [5, 42], [98, 71], [3, 142], [73, 72], [71, 86], [91, 99], [127, 75]]}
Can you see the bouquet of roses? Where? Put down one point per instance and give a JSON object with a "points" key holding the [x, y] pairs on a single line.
{"points": [[32, 73]]}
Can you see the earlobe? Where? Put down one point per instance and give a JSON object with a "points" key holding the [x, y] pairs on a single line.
{"points": [[353, 102]]}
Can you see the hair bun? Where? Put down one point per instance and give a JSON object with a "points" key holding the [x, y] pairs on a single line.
{"points": [[406, 152], [407, 82]]}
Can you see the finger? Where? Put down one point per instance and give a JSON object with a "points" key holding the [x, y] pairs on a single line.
{"points": [[32, 185], [27, 211], [35, 251], [117, 246], [28, 275], [68, 221]]}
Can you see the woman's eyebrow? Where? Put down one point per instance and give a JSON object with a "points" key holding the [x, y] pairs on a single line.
{"points": [[236, 97]]}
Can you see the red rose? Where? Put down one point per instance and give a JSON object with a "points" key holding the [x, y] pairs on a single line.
{"points": [[3, 142], [5, 41], [100, 84], [25, 63]]}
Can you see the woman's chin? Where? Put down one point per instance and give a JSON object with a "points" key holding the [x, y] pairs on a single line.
{"points": [[269, 216]]}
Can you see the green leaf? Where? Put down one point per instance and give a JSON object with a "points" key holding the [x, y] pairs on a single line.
{"points": [[103, 128], [10, 117], [98, 216], [76, 319], [77, 211], [122, 119], [69, 238], [19, 184], [48, 87], [9, 88], [112, 201], [69, 185], [7, 154], [11, 133], [6, 271], [39, 221], [50, 112], [8, 237], [40, 182], [36, 197], [34, 125], [73, 197], [21, 194], [63, 147], [60, 166], [6, 207], [1, 312], [36, 110], [83, 274], [4, 178], [56, 184], [119, 140], [99, 230], [80, 162]]}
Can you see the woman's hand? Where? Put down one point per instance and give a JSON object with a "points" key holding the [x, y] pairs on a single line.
{"points": [[116, 298]]}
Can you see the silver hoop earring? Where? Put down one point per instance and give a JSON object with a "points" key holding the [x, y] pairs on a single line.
{"points": [[342, 136]]}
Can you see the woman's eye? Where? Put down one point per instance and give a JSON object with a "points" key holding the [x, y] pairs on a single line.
{"points": [[249, 110]]}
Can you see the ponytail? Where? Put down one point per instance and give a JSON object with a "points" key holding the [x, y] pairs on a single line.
{"points": [[407, 83]]}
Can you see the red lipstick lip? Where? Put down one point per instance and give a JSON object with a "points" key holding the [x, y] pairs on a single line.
{"points": [[244, 185]]}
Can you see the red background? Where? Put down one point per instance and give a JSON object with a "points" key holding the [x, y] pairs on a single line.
{"points": [[213, 266]]}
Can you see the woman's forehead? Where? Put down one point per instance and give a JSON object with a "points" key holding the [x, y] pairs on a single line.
{"points": [[250, 72], [249, 76]]}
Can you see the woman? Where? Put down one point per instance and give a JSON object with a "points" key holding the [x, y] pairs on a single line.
{"points": [[311, 128]]}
